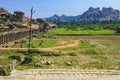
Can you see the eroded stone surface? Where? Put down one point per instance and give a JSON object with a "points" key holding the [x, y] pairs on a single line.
{"points": [[62, 74]]}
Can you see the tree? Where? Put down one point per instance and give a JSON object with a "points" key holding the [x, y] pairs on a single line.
{"points": [[30, 32]]}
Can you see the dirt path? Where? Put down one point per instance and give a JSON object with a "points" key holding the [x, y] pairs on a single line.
{"points": [[73, 44]]}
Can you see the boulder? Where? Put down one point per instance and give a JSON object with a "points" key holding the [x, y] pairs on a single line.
{"points": [[49, 62], [38, 65], [43, 62], [68, 63], [18, 58], [3, 72], [27, 60], [41, 20], [19, 14], [15, 57]]}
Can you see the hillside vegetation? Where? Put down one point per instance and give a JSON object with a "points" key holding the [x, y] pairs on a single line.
{"points": [[85, 29]]}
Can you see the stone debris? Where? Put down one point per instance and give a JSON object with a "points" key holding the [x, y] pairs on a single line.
{"points": [[27, 60], [68, 63], [43, 62]]}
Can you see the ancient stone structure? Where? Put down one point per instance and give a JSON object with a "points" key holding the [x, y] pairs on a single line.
{"points": [[46, 27], [3, 10], [118, 30], [3, 29], [7, 37], [19, 14], [41, 20], [19, 22], [3, 13]]}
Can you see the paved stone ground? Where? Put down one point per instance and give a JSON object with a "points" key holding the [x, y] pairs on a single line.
{"points": [[62, 74]]}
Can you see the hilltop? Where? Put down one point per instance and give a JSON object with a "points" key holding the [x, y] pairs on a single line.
{"points": [[91, 14]]}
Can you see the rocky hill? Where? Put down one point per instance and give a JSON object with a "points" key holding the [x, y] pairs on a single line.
{"points": [[2, 10], [18, 20], [91, 14]]}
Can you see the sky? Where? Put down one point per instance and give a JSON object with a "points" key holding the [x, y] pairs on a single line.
{"points": [[47, 8]]}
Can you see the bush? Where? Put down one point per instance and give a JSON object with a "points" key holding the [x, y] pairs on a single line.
{"points": [[28, 53]]}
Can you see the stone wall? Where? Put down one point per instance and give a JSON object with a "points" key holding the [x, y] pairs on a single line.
{"points": [[7, 37]]}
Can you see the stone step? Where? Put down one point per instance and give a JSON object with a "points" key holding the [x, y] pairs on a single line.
{"points": [[62, 74]]}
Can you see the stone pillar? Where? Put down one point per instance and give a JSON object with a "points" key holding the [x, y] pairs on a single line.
{"points": [[12, 39], [18, 35], [13, 36], [0, 39], [3, 39], [7, 38]]}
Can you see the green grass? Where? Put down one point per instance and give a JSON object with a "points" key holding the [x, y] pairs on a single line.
{"points": [[45, 43], [79, 31], [93, 52], [86, 46], [36, 43]]}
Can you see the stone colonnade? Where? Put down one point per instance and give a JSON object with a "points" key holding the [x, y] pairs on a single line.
{"points": [[7, 37]]}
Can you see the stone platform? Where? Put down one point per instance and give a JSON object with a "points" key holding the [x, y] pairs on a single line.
{"points": [[62, 74]]}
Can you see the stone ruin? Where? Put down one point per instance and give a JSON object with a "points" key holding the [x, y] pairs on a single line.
{"points": [[3, 10], [4, 69], [44, 25], [3, 28], [41, 20], [14, 29], [118, 30], [18, 15], [43, 62], [4, 13], [18, 19]]}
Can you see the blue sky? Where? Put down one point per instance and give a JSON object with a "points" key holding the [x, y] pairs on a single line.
{"points": [[46, 8]]}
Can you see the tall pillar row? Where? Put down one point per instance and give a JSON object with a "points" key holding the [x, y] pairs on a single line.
{"points": [[12, 36]]}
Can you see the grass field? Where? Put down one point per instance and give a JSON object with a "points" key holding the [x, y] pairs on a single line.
{"points": [[40, 43], [79, 31], [92, 52]]}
